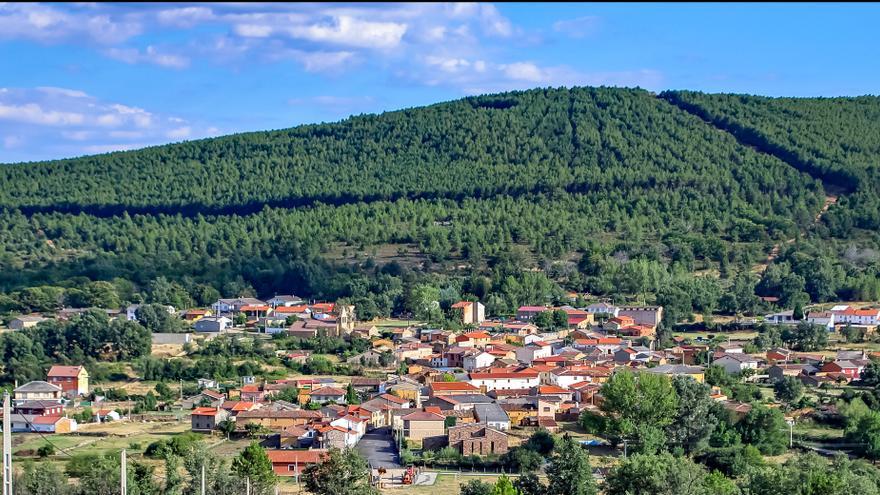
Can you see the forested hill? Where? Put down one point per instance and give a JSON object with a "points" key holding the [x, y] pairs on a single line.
{"points": [[834, 139], [510, 198], [609, 141]]}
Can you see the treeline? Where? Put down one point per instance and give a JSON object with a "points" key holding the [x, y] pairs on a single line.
{"points": [[85, 339], [587, 139], [835, 139], [610, 191]]}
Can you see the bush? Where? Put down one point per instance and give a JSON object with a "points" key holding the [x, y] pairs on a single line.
{"points": [[180, 445], [46, 450]]}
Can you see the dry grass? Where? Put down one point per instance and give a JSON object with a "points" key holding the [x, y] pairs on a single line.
{"points": [[167, 350]]}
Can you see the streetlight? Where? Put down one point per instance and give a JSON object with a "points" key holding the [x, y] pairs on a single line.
{"points": [[790, 432]]}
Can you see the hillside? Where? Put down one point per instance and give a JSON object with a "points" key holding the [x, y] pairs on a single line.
{"points": [[614, 191], [834, 139]]}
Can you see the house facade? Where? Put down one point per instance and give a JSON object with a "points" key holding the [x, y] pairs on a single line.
{"points": [[477, 439], [73, 380]]}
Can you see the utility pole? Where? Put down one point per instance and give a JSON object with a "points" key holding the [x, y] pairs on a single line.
{"points": [[203, 478], [123, 474], [7, 445], [247, 486]]}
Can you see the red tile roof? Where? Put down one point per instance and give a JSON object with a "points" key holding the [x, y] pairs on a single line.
{"points": [[452, 386], [45, 420], [525, 374], [328, 391], [205, 411], [552, 389], [296, 456], [532, 308], [64, 371], [423, 416], [255, 307]]}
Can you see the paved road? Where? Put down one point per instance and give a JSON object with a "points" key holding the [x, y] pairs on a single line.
{"points": [[378, 447]]}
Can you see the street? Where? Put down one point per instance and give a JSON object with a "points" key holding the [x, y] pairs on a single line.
{"points": [[378, 448]]}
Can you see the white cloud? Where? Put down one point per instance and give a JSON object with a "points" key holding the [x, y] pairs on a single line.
{"points": [[253, 30], [32, 113], [150, 55], [524, 71], [351, 31], [185, 17], [73, 93], [11, 142], [57, 23], [93, 149], [578, 27], [319, 61], [69, 122], [76, 135], [480, 76], [180, 132]]}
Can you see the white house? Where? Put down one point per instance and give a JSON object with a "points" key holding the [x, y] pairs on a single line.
{"points": [[273, 324], [534, 350], [565, 378], [493, 416], [352, 423], [285, 300], [824, 318], [505, 380], [212, 324], [854, 316], [736, 363], [531, 338], [233, 305], [782, 318], [602, 307], [477, 361]]}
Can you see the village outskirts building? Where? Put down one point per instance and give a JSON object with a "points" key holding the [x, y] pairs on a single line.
{"points": [[25, 321], [471, 312], [73, 380]]}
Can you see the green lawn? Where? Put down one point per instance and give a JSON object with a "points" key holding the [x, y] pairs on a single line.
{"points": [[34, 441]]}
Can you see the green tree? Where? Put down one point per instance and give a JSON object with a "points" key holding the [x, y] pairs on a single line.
{"points": [[694, 421], [660, 474], [46, 450], [503, 486], [227, 426], [253, 463], [42, 478], [788, 389], [569, 471], [638, 406], [476, 487], [529, 484], [351, 395], [765, 428], [541, 441], [342, 472], [806, 337]]}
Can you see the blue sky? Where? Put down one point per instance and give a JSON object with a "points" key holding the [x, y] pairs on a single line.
{"points": [[87, 78]]}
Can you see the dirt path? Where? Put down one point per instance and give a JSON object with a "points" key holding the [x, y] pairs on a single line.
{"points": [[774, 253]]}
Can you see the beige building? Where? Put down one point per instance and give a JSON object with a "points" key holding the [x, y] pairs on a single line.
{"points": [[471, 313], [27, 321], [420, 425], [649, 316], [276, 420], [37, 390]]}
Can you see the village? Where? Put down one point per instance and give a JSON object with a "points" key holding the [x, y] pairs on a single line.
{"points": [[418, 394]]}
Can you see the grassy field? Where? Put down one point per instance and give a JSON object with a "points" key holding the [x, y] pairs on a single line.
{"points": [[705, 335], [133, 436]]}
